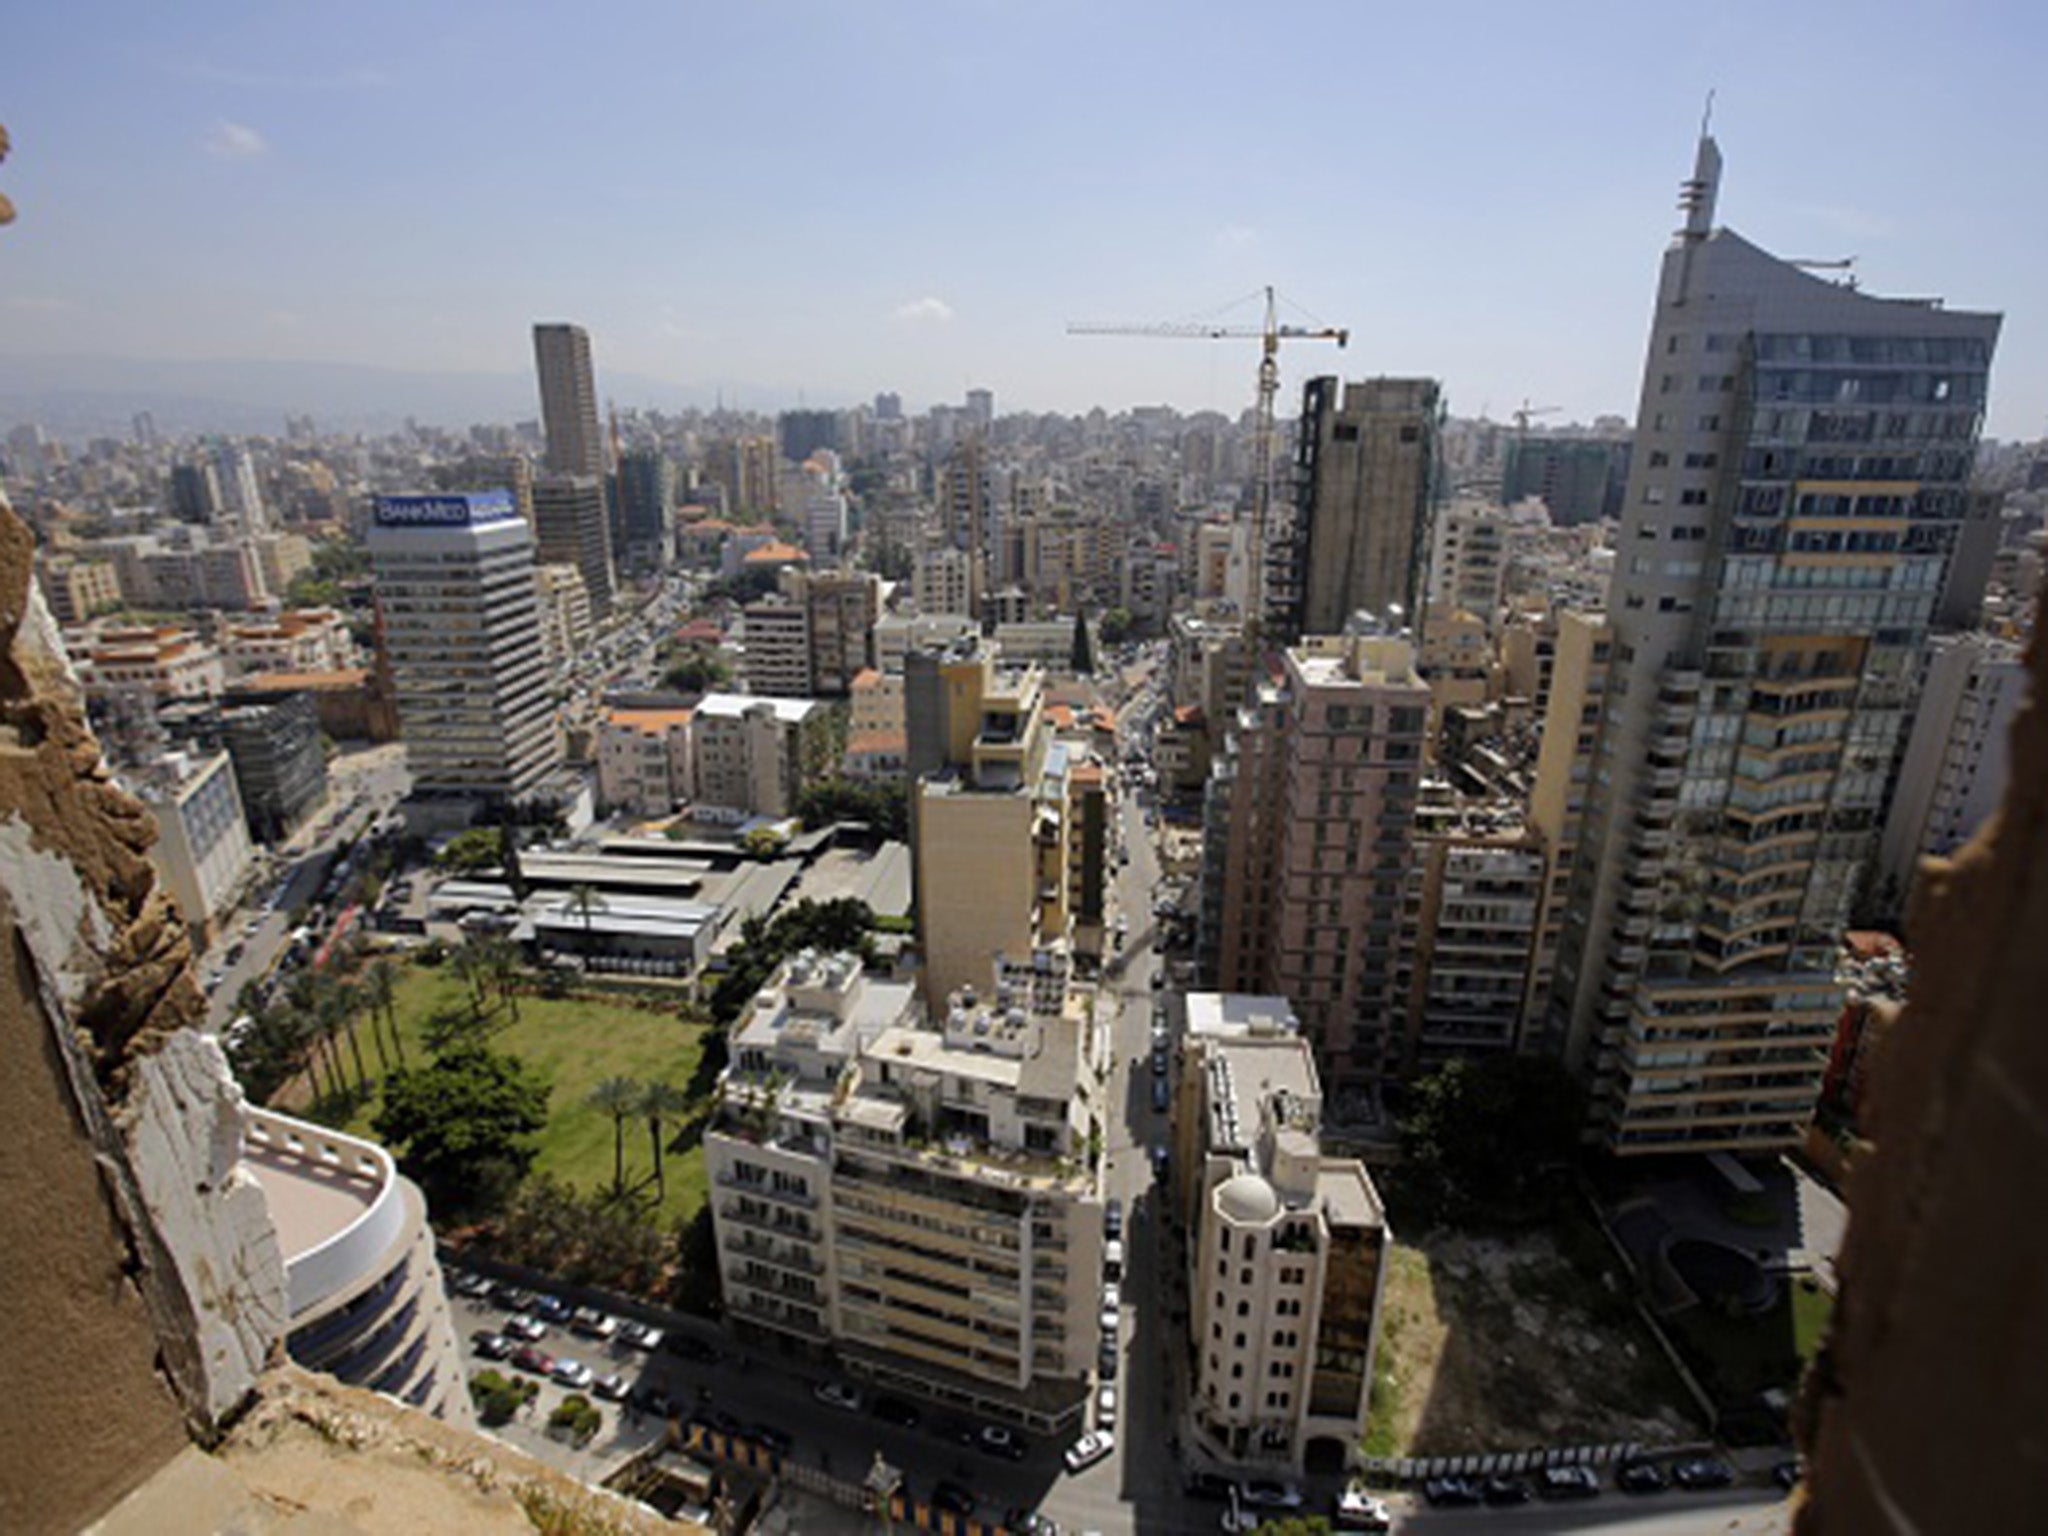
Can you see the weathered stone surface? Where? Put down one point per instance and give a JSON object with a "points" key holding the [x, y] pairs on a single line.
{"points": [[131, 1346], [1929, 1409], [183, 1124]]}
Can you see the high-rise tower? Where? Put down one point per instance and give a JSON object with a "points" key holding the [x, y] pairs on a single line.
{"points": [[568, 400], [1801, 469], [454, 578], [1366, 467]]}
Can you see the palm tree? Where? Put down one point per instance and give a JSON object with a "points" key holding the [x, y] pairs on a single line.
{"points": [[501, 968], [346, 999], [306, 997], [380, 991], [662, 1104], [468, 963], [619, 1097], [584, 899]]}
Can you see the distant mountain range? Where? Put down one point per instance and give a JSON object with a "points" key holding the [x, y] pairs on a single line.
{"points": [[75, 397]]}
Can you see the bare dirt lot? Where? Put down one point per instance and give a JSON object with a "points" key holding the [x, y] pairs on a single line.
{"points": [[1508, 1342]]}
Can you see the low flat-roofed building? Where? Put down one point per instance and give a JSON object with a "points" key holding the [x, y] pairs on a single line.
{"points": [[348, 701], [1288, 1247]]}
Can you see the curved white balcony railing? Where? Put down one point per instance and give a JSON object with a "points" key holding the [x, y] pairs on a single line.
{"points": [[351, 1253]]}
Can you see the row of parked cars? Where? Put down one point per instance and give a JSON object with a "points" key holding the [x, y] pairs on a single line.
{"points": [[1696, 1472]]}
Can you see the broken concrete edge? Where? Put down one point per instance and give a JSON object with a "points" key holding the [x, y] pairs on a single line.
{"points": [[362, 1422], [109, 963], [123, 971]]}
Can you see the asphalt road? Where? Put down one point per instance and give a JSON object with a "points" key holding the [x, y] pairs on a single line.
{"points": [[376, 780]]}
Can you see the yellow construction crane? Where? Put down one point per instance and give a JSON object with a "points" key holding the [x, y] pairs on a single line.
{"points": [[1270, 335]]}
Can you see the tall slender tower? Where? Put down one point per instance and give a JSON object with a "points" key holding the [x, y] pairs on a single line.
{"points": [[1366, 468], [1800, 473], [568, 400]]}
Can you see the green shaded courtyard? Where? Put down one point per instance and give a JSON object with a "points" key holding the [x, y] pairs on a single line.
{"points": [[576, 1044]]}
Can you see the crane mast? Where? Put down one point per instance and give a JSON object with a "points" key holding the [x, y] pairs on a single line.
{"points": [[1269, 334]]}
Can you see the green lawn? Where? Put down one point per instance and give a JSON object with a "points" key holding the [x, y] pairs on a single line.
{"points": [[1742, 1356], [1812, 1312], [575, 1045]]}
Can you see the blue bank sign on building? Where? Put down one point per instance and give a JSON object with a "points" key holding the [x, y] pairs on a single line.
{"points": [[465, 511]]}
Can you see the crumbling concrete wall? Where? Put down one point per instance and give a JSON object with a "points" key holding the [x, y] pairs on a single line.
{"points": [[1928, 1411], [149, 1289]]}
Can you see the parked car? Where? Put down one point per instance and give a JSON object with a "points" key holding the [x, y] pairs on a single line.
{"points": [[1264, 1493], [465, 1282], [1786, 1474], [1160, 1095], [1158, 980], [539, 1362], [1000, 1440], [1160, 1058], [953, 1499], [641, 1336], [780, 1441], [1089, 1449], [593, 1324], [492, 1346], [1502, 1489], [1105, 1360], [521, 1326], [1113, 1218], [1703, 1472], [1640, 1477], [611, 1386], [1105, 1406], [573, 1373], [838, 1394], [1450, 1492], [1111, 1318], [1028, 1522], [552, 1309], [894, 1410], [513, 1298], [1358, 1510], [1567, 1483]]}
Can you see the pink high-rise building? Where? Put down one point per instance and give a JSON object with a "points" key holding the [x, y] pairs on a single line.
{"points": [[1310, 814]]}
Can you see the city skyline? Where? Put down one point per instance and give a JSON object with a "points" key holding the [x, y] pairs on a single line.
{"points": [[985, 180]]}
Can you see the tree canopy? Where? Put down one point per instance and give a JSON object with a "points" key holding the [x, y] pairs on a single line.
{"points": [[1486, 1131], [470, 852], [464, 1125], [1084, 653], [885, 807], [843, 923]]}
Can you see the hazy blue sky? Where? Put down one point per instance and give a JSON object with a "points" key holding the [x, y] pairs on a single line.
{"points": [[837, 198]]}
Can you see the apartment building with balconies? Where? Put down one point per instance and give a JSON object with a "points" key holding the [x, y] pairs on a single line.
{"points": [[1801, 473], [915, 1201], [1288, 1247]]}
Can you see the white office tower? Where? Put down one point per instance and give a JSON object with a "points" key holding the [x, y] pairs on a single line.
{"points": [[455, 592], [240, 492], [1801, 470]]}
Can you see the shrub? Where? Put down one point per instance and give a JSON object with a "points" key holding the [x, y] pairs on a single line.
{"points": [[498, 1397], [576, 1420]]}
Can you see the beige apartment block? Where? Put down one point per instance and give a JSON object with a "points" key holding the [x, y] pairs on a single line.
{"points": [[914, 1202], [1288, 1248]]}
